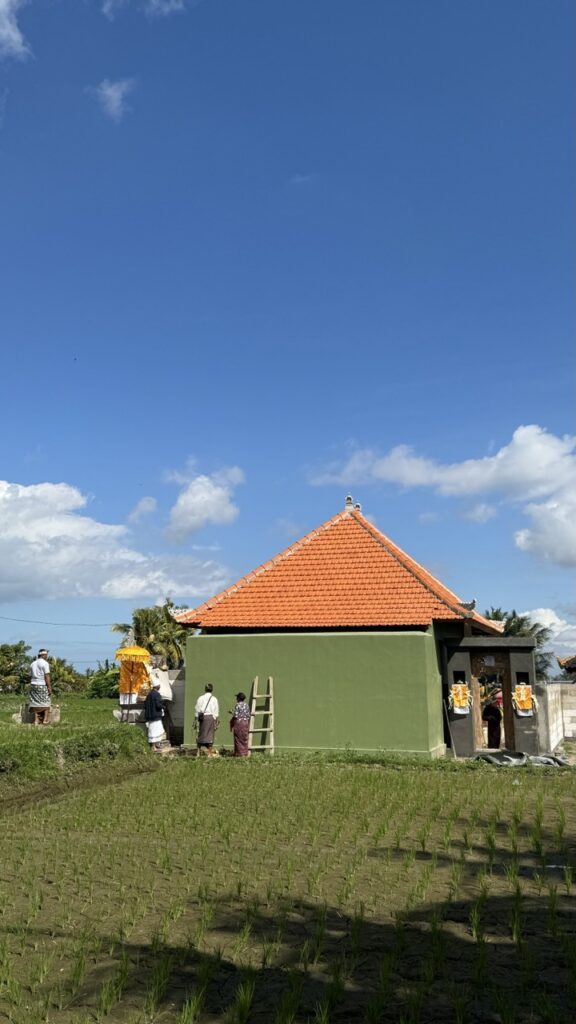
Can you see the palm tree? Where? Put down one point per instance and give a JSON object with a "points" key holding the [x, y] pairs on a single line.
{"points": [[156, 629], [522, 625]]}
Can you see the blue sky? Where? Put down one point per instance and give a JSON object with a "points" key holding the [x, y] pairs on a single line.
{"points": [[257, 254]]}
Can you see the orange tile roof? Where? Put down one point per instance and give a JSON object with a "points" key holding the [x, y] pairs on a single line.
{"points": [[346, 573]]}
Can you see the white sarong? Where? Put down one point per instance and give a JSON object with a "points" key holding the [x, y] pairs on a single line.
{"points": [[155, 732]]}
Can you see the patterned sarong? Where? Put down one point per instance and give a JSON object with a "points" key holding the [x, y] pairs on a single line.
{"points": [[39, 696]]}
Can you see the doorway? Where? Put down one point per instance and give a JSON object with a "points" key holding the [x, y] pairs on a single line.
{"points": [[491, 686]]}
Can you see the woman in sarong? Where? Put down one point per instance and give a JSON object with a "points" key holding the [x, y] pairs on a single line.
{"points": [[153, 714], [240, 726]]}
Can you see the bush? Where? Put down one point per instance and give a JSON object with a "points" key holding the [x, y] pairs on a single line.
{"points": [[104, 683], [104, 744], [27, 754]]}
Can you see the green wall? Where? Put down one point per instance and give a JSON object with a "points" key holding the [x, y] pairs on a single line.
{"points": [[370, 691]]}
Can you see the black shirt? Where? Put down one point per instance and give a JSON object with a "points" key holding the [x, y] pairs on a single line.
{"points": [[153, 707]]}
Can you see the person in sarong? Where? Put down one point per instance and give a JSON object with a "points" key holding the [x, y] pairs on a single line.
{"points": [[207, 713], [240, 726], [493, 716], [153, 714], [40, 688]]}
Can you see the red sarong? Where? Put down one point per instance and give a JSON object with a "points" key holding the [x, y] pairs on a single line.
{"points": [[241, 732]]}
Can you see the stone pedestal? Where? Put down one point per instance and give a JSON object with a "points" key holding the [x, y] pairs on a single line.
{"points": [[27, 716]]}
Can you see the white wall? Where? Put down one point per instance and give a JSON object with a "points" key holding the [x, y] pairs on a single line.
{"points": [[557, 714]]}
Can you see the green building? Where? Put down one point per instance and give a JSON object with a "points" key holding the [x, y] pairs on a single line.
{"points": [[363, 645]]}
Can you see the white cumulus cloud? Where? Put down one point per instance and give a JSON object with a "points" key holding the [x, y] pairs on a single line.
{"points": [[552, 535], [563, 639], [534, 464], [142, 508], [113, 97], [536, 470], [50, 548], [12, 42], [480, 513], [204, 499]]}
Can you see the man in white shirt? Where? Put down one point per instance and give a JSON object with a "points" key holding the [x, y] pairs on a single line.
{"points": [[40, 688], [207, 712]]}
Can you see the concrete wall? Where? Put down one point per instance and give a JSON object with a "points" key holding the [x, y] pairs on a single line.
{"points": [[370, 691], [568, 709], [557, 715], [176, 709]]}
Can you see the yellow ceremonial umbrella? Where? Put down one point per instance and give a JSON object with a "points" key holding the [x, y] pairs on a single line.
{"points": [[132, 654], [133, 673]]}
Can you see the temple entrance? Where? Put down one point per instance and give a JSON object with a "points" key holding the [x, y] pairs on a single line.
{"points": [[492, 697]]}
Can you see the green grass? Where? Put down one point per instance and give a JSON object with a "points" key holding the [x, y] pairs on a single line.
{"points": [[87, 735], [77, 710], [285, 890]]}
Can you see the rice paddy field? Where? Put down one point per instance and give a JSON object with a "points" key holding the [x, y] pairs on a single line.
{"points": [[290, 890]]}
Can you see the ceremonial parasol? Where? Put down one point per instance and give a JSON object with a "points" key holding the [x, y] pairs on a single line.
{"points": [[133, 671]]}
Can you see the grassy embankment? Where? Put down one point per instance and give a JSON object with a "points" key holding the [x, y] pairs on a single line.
{"points": [[87, 736]]}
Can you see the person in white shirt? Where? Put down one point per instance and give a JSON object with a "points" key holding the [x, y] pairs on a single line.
{"points": [[40, 688], [207, 713]]}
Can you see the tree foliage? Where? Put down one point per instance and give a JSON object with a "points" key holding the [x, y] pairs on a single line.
{"points": [[15, 661], [157, 630], [104, 681], [65, 678], [522, 625]]}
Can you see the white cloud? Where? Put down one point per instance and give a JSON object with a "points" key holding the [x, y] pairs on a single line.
{"points": [[153, 8], [563, 639], [113, 97], [204, 499], [144, 507], [111, 7], [536, 469], [12, 42], [480, 513], [160, 8], [49, 548], [552, 535], [534, 464]]}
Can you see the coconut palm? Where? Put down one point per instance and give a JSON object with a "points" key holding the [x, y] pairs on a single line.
{"points": [[522, 625], [156, 629]]}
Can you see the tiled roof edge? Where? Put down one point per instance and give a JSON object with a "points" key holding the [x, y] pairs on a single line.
{"points": [[390, 544], [193, 615]]}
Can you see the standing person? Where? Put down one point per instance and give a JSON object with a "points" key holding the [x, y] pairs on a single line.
{"points": [[40, 688], [153, 713], [493, 716], [207, 711], [240, 726]]}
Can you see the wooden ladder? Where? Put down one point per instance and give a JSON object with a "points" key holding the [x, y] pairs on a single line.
{"points": [[266, 729]]}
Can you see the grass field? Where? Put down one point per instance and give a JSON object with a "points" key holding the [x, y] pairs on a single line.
{"points": [[276, 891]]}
